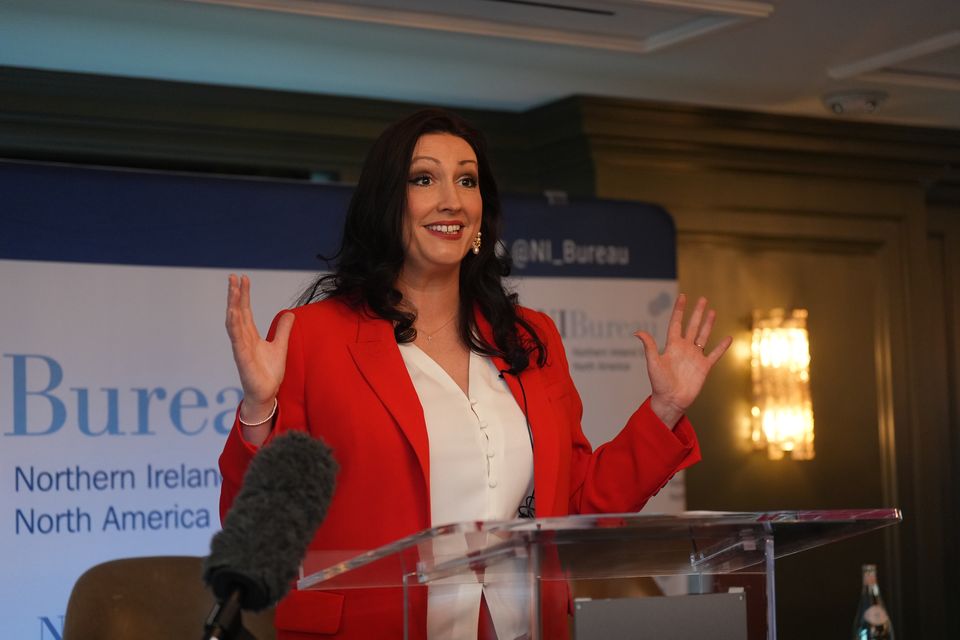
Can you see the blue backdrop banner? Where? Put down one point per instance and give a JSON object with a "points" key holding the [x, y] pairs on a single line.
{"points": [[72, 214]]}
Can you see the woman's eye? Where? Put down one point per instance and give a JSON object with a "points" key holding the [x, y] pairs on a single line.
{"points": [[468, 181], [420, 181]]}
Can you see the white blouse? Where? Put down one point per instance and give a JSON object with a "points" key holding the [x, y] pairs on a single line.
{"points": [[481, 468]]}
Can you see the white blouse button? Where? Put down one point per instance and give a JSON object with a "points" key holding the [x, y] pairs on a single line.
{"points": [[492, 484]]}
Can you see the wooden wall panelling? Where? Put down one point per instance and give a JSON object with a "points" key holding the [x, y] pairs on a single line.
{"points": [[924, 463], [944, 252], [834, 215], [560, 149], [839, 282], [133, 122]]}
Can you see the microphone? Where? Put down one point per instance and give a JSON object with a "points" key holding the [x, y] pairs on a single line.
{"points": [[254, 558], [518, 362]]}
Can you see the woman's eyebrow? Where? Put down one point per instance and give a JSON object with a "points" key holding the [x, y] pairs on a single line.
{"points": [[435, 161]]}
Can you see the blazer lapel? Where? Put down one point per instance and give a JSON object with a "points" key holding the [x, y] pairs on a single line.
{"points": [[377, 357], [540, 413]]}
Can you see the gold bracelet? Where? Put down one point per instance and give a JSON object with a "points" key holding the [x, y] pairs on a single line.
{"points": [[273, 412]]}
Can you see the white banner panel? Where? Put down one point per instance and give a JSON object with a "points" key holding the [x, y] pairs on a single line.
{"points": [[116, 390], [597, 318]]}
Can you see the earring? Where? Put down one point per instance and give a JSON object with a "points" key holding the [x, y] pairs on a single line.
{"points": [[476, 244]]}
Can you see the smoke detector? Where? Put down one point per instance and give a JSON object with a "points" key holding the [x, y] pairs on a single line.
{"points": [[847, 103]]}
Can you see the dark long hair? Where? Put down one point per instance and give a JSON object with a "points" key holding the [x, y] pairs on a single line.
{"points": [[371, 254]]}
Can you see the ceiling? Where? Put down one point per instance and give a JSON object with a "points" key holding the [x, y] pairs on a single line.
{"points": [[900, 59]]}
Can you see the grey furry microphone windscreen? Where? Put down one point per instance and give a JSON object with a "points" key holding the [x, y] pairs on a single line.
{"points": [[285, 494]]}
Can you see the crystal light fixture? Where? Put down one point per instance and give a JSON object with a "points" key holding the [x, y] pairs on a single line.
{"points": [[782, 413]]}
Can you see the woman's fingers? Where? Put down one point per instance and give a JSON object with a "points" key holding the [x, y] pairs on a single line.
{"points": [[240, 323], [677, 375], [693, 325], [281, 336], [649, 345], [703, 334], [233, 291], [699, 325], [233, 319], [260, 363], [245, 308], [676, 319], [719, 350]]}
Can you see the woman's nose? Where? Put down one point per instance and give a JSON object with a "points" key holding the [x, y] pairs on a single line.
{"points": [[450, 198]]}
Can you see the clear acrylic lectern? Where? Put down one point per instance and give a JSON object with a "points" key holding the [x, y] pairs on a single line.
{"points": [[523, 567]]}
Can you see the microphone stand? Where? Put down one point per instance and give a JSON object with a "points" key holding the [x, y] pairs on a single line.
{"points": [[225, 622]]}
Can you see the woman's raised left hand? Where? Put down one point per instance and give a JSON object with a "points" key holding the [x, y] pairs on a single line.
{"points": [[678, 373]]}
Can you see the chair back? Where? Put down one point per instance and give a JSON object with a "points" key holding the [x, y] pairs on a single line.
{"points": [[151, 598]]}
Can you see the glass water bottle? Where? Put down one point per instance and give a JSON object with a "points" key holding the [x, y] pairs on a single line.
{"points": [[872, 621]]}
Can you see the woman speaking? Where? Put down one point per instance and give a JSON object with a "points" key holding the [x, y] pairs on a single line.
{"points": [[443, 399]]}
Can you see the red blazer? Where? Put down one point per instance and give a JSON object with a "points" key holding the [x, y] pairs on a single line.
{"points": [[346, 383]]}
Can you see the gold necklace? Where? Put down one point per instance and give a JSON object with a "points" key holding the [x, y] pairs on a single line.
{"points": [[429, 336]]}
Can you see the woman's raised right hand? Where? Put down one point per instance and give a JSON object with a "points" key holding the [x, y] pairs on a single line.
{"points": [[260, 363]]}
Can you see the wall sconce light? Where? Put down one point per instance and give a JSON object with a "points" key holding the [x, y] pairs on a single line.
{"points": [[782, 414]]}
